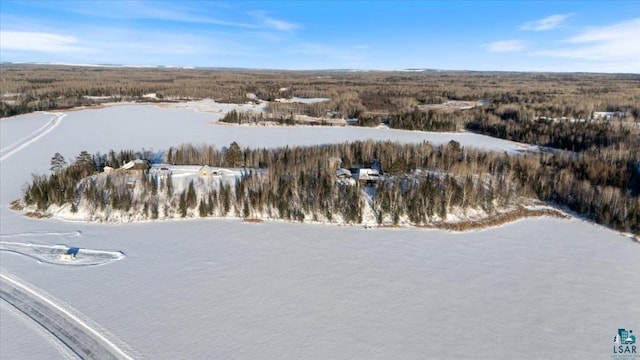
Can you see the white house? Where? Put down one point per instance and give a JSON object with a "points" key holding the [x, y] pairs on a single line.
{"points": [[368, 175]]}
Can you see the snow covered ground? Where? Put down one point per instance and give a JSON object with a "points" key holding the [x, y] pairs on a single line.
{"points": [[211, 106], [538, 288]]}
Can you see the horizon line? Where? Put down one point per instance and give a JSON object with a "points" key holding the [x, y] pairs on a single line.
{"points": [[190, 67]]}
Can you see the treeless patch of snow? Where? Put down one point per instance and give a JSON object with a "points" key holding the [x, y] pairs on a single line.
{"points": [[302, 100]]}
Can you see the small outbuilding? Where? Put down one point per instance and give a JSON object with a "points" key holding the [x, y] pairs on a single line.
{"points": [[70, 254]]}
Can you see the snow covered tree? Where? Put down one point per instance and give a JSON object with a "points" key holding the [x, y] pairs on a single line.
{"points": [[85, 163], [57, 162]]}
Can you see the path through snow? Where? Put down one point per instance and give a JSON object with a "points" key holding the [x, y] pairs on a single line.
{"points": [[7, 151], [54, 254]]}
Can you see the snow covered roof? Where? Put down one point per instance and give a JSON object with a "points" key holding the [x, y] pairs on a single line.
{"points": [[127, 165], [136, 165], [342, 172], [205, 170]]}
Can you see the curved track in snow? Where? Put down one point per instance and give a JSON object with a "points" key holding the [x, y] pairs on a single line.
{"points": [[74, 233], [53, 254], [7, 151], [76, 333]]}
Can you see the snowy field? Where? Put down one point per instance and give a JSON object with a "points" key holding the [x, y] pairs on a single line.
{"points": [[533, 289]]}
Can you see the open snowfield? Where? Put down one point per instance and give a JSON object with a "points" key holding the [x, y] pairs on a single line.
{"points": [[201, 289]]}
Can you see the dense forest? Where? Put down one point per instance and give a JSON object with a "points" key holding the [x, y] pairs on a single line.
{"points": [[422, 183], [513, 96]]}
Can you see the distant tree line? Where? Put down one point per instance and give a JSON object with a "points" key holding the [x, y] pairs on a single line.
{"points": [[250, 117], [430, 120], [523, 96], [562, 134]]}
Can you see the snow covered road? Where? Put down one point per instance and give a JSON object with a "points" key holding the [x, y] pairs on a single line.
{"points": [[75, 333]]}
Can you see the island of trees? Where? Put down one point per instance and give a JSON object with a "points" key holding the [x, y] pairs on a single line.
{"points": [[445, 186]]}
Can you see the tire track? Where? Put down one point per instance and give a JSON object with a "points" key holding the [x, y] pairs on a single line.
{"points": [[58, 345], [81, 338], [7, 151]]}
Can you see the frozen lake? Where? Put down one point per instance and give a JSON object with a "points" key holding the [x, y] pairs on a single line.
{"points": [[539, 288]]}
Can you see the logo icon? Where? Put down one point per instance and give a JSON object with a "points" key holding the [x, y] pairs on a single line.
{"points": [[624, 337], [624, 345]]}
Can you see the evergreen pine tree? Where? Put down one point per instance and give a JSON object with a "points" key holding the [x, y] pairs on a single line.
{"points": [[57, 163], [192, 198], [233, 157]]}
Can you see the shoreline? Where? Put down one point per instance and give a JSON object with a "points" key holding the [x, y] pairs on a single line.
{"points": [[491, 221]]}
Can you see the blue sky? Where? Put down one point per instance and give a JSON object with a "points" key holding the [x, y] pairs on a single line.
{"points": [[588, 36]]}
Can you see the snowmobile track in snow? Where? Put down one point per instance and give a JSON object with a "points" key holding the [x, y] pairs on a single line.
{"points": [[7, 151], [55, 254]]}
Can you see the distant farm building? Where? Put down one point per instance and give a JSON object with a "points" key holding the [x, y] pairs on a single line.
{"points": [[607, 115]]}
